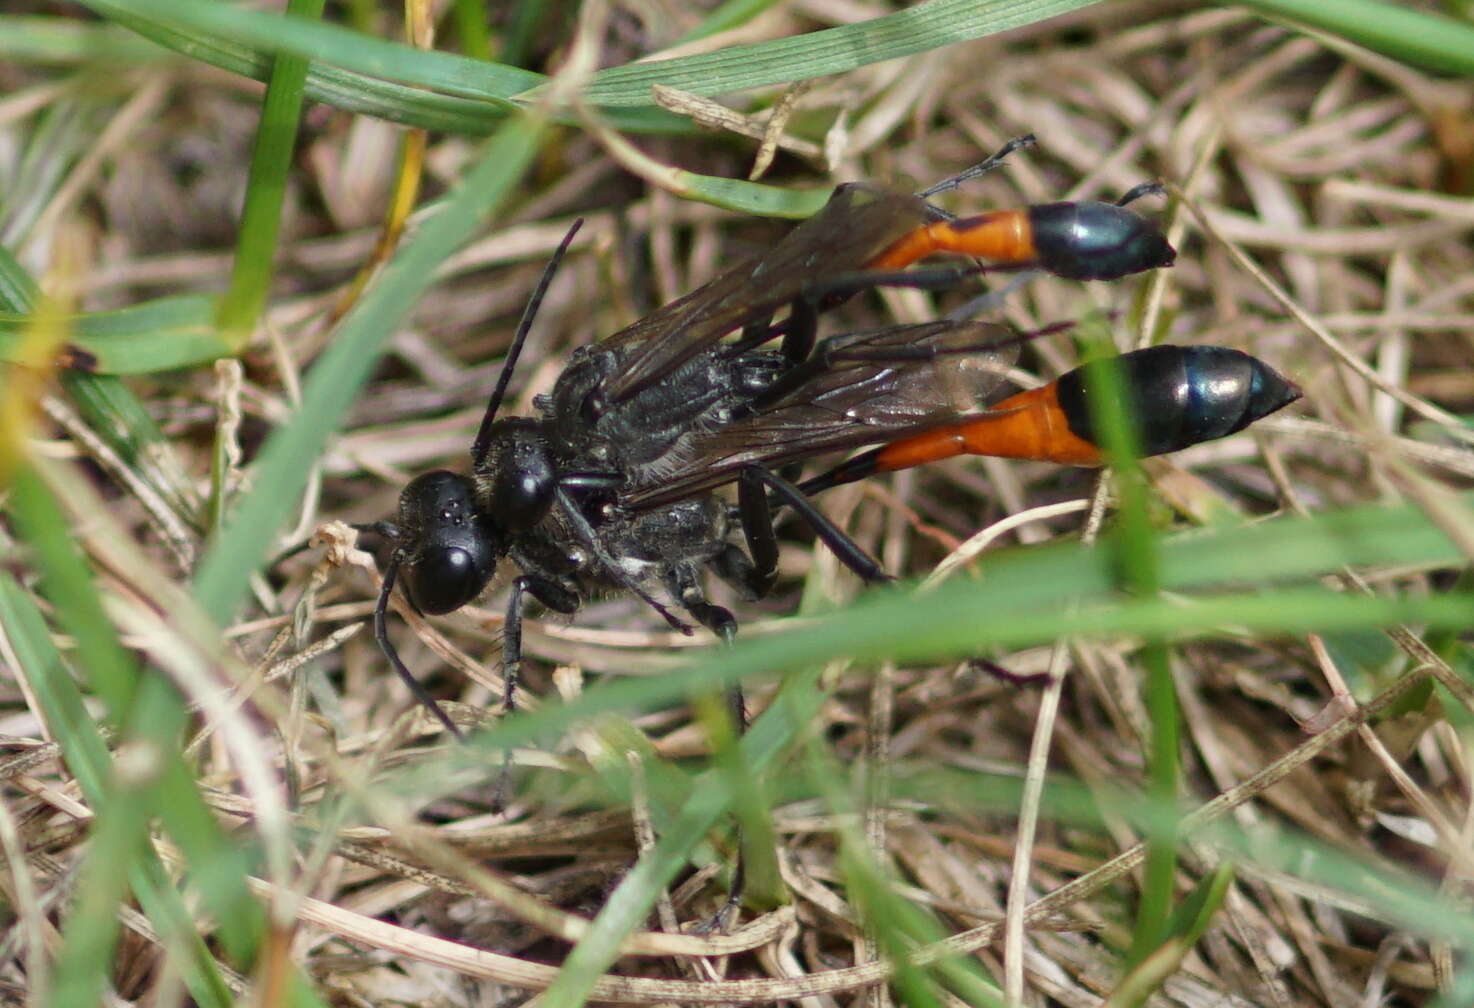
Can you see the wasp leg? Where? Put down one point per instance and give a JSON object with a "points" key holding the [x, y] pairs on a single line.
{"points": [[801, 329], [1005, 676], [683, 583], [967, 174], [736, 568], [757, 332], [756, 511], [381, 634], [557, 598], [551, 594], [1136, 192], [590, 539], [753, 501]]}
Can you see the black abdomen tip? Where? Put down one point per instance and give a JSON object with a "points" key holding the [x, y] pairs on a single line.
{"points": [[1096, 241], [1182, 396]]}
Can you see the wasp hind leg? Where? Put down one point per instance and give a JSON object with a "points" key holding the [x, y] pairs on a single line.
{"points": [[684, 583], [756, 510], [1136, 192], [981, 168]]}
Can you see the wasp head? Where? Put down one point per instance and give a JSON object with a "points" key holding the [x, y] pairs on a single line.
{"points": [[450, 549]]}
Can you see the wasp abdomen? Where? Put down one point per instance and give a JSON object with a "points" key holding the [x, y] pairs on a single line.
{"points": [[1096, 241], [1182, 396]]}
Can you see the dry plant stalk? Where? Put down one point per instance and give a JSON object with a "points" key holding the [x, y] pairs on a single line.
{"points": [[1313, 232]]}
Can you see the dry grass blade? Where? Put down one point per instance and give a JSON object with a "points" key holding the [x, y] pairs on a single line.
{"points": [[1321, 204]]}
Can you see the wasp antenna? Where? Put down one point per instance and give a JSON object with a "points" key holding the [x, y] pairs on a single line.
{"points": [[483, 435], [386, 646], [981, 168], [1153, 188]]}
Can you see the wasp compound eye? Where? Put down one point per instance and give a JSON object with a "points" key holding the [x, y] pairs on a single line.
{"points": [[455, 554], [444, 579], [1096, 241]]}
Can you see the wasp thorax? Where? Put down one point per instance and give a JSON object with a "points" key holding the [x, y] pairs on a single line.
{"points": [[517, 474]]}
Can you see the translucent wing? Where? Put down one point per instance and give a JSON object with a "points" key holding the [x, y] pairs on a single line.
{"points": [[859, 222], [941, 371]]}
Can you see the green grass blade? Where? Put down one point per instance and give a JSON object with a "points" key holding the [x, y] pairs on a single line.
{"points": [[239, 39], [1025, 601], [119, 838], [330, 45], [471, 20], [1134, 543], [255, 250], [1417, 37], [55, 689], [631, 901], [338, 374], [271, 160], [17, 289], [1183, 930], [748, 197], [150, 716], [356, 92], [111, 670], [62, 41], [940, 625], [915, 29], [159, 335]]}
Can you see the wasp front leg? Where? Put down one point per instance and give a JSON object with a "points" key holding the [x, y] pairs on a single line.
{"points": [[551, 594]]}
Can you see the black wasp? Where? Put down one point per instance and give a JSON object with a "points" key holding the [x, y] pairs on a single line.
{"points": [[612, 486]]}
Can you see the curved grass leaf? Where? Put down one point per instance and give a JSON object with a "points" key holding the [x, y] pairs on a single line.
{"points": [[158, 335], [916, 29], [338, 374], [240, 39], [1417, 37], [351, 71]]}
